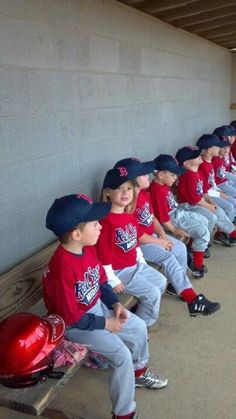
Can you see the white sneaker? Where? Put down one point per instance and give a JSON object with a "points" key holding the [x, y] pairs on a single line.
{"points": [[150, 380]]}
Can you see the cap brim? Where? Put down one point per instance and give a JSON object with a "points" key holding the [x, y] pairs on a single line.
{"points": [[98, 211], [195, 154], [147, 167], [225, 143], [178, 170]]}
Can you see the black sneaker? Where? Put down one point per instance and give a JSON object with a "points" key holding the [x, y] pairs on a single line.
{"points": [[207, 253], [223, 239], [170, 290], [133, 415], [201, 305], [197, 272]]}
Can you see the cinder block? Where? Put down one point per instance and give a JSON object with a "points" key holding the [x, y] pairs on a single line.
{"points": [[129, 58], [14, 92], [26, 44]]}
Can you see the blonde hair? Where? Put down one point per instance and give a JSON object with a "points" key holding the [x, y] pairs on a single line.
{"points": [[129, 208], [65, 238]]}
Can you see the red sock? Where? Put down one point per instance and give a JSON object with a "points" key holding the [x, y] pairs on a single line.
{"points": [[139, 372], [233, 234], [198, 259], [188, 295]]}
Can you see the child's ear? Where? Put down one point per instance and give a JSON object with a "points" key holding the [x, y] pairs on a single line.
{"points": [[76, 234]]}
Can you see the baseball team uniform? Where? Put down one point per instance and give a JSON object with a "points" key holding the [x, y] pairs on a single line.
{"points": [[221, 176], [174, 261], [207, 173], [167, 209], [75, 287], [230, 165], [117, 247], [190, 192]]}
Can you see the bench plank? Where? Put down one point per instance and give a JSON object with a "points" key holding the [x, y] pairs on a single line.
{"points": [[20, 287], [33, 400]]}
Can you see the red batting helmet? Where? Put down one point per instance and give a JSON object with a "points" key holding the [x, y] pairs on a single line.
{"points": [[26, 345]]}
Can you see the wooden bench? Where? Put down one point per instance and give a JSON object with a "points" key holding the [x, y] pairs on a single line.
{"points": [[20, 290]]}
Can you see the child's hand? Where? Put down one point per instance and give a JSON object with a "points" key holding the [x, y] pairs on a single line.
{"points": [[113, 324], [167, 244], [212, 207], [119, 288], [181, 234], [223, 195], [120, 312]]}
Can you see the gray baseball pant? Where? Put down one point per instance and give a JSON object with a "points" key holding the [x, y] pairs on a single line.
{"points": [[231, 178], [228, 188], [125, 351], [194, 224], [218, 218], [148, 285], [173, 270], [179, 250], [228, 206]]}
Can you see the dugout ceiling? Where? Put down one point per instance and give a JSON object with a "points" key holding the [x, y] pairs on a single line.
{"points": [[214, 20]]}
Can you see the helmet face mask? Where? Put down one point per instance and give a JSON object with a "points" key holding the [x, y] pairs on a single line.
{"points": [[27, 343]]}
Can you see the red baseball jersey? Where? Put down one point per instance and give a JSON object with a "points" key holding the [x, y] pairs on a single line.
{"points": [[220, 170], [229, 161], [190, 187], [71, 283], [144, 213], [233, 149], [118, 240], [207, 173], [163, 201]]}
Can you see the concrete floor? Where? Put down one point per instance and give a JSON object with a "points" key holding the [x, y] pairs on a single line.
{"points": [[196, 354]]}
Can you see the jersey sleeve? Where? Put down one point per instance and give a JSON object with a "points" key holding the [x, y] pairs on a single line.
{"points": [[188, 189], [160, 208]]}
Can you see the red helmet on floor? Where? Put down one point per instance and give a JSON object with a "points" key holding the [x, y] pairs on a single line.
{"points": [[26, 345]]}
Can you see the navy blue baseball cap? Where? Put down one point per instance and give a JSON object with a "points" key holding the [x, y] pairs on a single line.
{"points": [[209, 140], [224, 131], [168, 162], [132, 163], [118, 175], [187, 153], [233, 124], [70, 210]]}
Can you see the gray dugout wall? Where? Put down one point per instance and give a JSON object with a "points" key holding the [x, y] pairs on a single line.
{"points": [[83, 84]]}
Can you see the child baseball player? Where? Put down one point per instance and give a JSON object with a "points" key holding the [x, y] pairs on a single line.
{"points": [[159, 248], [75, 287], [192, 197], [227, 133], [233, 146], [118, 247], [210, 145], [222, 163], [178, 221]]}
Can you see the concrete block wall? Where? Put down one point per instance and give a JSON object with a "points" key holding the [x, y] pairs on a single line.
{"points": [[83, 84], [233, 87]]}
